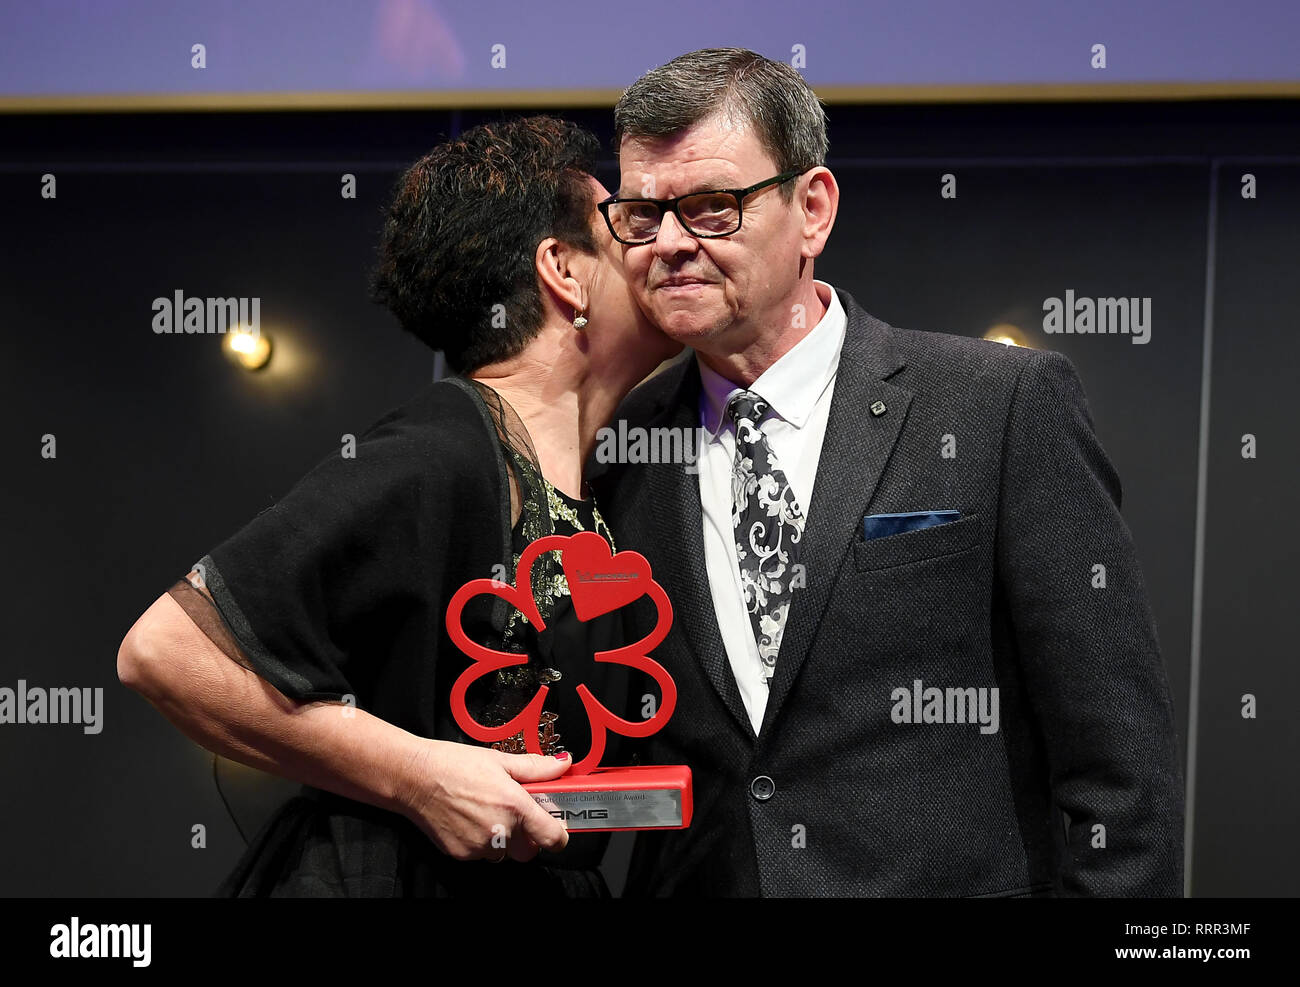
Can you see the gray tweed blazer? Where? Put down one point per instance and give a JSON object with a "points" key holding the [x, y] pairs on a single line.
{"points": [[1078, 791]]}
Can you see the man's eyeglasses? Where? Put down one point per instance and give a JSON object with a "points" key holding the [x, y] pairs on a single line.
{"points": [[702, 214]]}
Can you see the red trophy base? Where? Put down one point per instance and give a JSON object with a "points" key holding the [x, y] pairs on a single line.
{"points": [[619, 799]]}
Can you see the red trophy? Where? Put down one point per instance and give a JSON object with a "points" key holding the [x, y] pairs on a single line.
{"points": [[588, 797]]}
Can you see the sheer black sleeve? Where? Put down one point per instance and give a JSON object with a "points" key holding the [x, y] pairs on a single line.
{"points": [[313, 592]]}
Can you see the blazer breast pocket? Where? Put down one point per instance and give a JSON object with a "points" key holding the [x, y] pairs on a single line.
{"points": [[932, 542]]}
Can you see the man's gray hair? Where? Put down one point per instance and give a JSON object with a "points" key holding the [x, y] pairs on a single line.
{"points": [[743, 86]]}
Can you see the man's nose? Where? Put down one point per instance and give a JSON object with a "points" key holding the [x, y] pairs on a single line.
{"points": [[672, 237]]}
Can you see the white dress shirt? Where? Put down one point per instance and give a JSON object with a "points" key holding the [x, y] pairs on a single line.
{"points": [[797, 389]]}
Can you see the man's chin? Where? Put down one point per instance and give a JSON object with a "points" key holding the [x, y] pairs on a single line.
{"points": [[686, 328]]}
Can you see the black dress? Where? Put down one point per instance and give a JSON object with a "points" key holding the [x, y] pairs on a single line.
{"points": [[339, 593]]}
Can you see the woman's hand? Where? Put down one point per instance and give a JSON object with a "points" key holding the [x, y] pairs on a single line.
{"points": [[455, 793], [463, 796]]}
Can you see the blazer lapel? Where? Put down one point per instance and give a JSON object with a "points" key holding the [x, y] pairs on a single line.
{"points": [[676, 523], [854, 452]]}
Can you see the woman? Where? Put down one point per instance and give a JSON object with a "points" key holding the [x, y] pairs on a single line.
{"points": [[332, 603]]}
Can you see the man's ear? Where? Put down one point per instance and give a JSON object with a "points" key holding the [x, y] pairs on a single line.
{"points": [[555, 264], [821, 201]]}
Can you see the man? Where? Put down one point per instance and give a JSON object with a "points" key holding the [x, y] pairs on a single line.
{"points": [[899, 672]]}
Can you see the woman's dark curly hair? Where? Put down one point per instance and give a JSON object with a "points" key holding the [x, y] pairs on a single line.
{"points": [[457, 250]]}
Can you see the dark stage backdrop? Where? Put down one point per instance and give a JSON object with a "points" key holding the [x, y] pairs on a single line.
{"points": [[163, 449]]}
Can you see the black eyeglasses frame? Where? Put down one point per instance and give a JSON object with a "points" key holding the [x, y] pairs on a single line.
{"points": [[670, 206]]}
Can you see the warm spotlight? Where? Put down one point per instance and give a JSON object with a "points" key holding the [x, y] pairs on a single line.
{"points": [[250, 349], [1007, 334]]}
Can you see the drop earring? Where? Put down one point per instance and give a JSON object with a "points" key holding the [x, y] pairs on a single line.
{"points": [[579, 322]]}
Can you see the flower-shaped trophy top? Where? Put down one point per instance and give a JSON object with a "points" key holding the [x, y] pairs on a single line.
{"points": [[599, 583]]}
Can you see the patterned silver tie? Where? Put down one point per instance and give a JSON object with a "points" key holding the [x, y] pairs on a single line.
{"points": [[767, 525]]}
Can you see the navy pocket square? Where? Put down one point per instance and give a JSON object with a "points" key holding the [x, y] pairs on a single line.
{"points": [[881, 525]]}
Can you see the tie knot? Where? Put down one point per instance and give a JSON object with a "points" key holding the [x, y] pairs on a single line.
{"points": [[746, 406]]}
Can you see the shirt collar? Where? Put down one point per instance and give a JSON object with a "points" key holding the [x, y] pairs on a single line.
{"points": [[793, 384]]}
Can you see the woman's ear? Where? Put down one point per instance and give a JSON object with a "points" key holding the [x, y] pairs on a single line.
{"points": [[558, 267]]}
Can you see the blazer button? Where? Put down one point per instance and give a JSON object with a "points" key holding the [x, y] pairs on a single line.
{"points": [[762, 788]]}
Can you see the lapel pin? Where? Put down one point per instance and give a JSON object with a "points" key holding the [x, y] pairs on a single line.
{"points": [[878, 408]]}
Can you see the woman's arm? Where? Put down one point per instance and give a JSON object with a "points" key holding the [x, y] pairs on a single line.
{"points": [[455, 793]]}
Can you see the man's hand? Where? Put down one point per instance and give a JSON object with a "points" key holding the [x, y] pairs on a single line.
{"points": [[463, 796]]}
